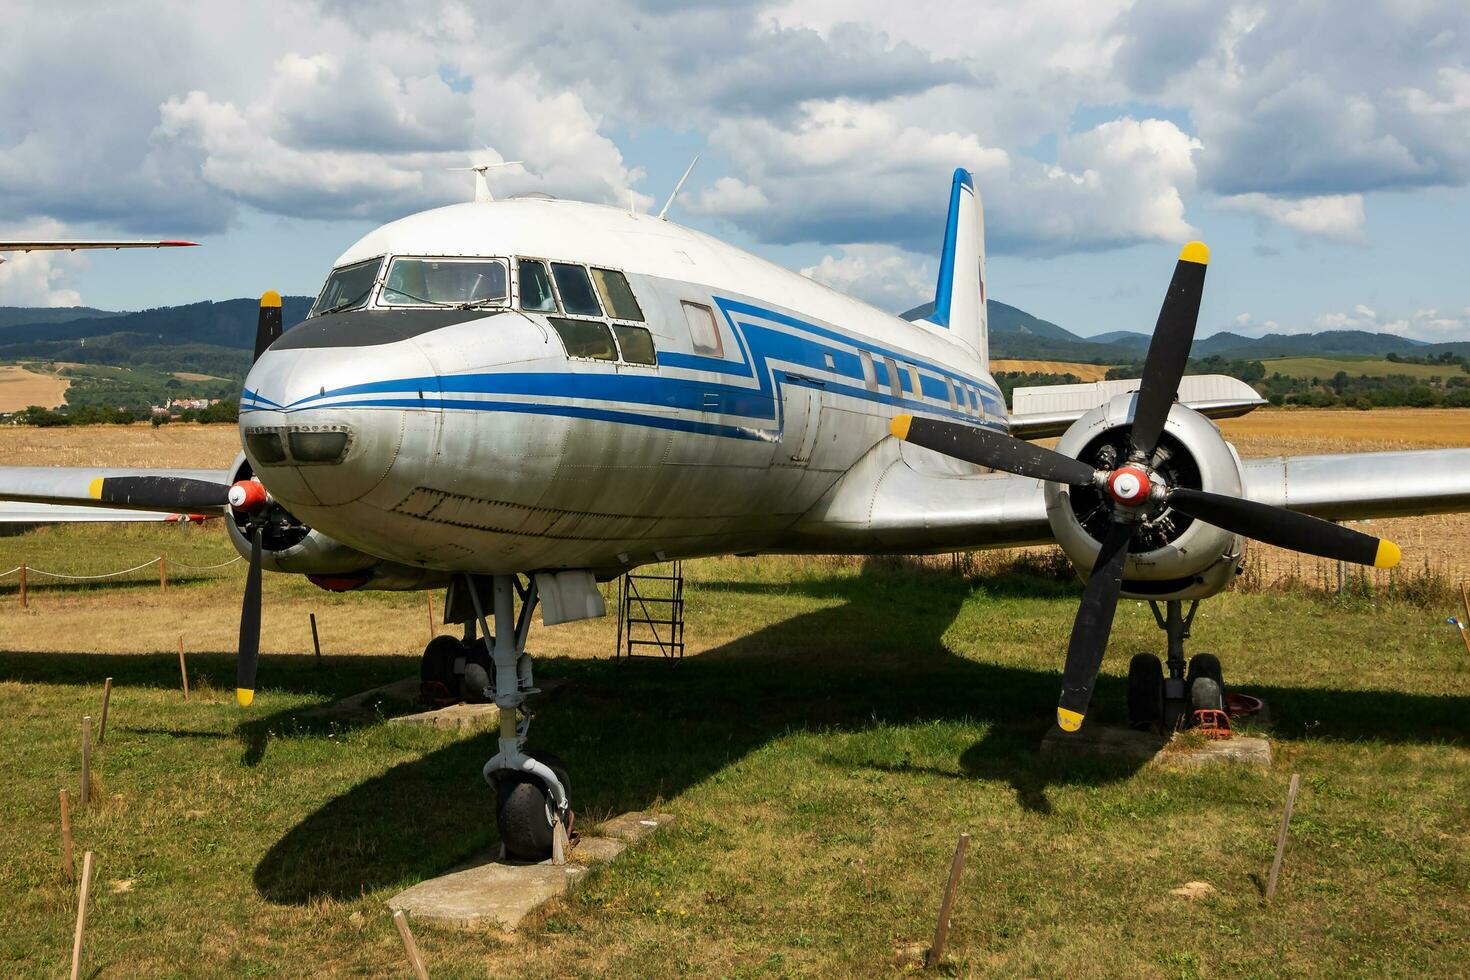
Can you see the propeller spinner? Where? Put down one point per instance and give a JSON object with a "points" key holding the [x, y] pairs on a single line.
{"points": [[1132, 489]]}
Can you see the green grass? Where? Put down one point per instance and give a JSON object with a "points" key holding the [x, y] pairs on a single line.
{"points": [[1355, 365], [845, 724]]}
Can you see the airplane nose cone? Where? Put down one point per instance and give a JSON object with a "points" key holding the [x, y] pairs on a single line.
{"points": [[315, 429]]}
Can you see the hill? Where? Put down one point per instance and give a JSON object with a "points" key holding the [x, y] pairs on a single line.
{"points": [[12, 315]]}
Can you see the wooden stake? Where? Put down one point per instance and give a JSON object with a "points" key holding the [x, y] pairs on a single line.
{"points": [[1465, 623], [76, 943], [86, 760], [409, 946], [941, 928], [24, 598], [106, 701], [430, 597], [316, 643], [1281, 836], [162, 573], [183, 669], [66, 863]]}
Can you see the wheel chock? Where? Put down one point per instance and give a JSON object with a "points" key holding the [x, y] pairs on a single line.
{"points": [[1212, 723]]}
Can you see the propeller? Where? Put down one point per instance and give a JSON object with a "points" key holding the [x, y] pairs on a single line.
{"points": [[1129, 487], [268, 323], [249, 649]]}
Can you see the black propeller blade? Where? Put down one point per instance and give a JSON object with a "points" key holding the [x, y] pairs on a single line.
{"points": [[1285, 528], [268, 325], [1092, 626], [249, 626], [1168, 351], [169, 494], [995, 450]]}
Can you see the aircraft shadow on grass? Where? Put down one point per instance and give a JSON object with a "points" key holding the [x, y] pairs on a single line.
{"points": [[633, 733]]}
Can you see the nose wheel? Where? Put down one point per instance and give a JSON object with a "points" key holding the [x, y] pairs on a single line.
{"points": [[1167, 694]]}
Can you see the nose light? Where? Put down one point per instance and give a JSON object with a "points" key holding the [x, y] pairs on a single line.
{"points": [[1129, 486]]}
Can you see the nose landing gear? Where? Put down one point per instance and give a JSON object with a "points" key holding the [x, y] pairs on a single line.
{"points": [[1171, 701]]}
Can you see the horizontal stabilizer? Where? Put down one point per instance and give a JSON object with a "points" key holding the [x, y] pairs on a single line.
{"points": [[1041, 412]]}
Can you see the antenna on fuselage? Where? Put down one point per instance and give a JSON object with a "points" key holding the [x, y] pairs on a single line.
{"points": [[482, 186], [663, 214]]}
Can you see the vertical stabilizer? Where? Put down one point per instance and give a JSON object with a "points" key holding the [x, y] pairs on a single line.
{"points": [[959, 299]]}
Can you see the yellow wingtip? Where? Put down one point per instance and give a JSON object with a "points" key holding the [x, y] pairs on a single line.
{"points": [[1069, 721], [270, 298], [1388, 555], [1197, 252], [900, 426], [94, 489], [244, 696]]}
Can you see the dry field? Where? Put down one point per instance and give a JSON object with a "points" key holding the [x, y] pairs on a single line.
{"points": [[21, 388], [1087, 372], [189, 446]]}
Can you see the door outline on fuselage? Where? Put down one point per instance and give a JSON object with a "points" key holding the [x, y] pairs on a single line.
{"points": [[801, 419]]}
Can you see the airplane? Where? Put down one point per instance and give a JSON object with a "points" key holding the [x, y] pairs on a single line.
{"points": [[516, 399]]}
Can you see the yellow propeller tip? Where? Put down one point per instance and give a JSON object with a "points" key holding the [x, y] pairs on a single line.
{"points": [[900, 426], [94, 489], [1197, 252], [1069, 721], [1388, 555], [270, 298], [244, 697]]}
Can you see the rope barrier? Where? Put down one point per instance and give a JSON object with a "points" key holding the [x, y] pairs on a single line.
{"points": [[126, 571], [205, 568]]}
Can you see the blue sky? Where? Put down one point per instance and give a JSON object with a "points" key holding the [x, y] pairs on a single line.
{"points": [[1322, 149]]}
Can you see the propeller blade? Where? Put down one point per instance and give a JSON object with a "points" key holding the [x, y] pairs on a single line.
{"points": [[249, 626], [268, 325], [1168, 351], [169, 494], [996, 450], [1092, 626], [1285, 528]]}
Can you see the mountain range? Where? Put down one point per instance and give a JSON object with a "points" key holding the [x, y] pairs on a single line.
{"points": [[214, 336]]}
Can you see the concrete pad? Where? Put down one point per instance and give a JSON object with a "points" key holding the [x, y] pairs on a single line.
{"points": [[492, 892], [1111, 741], [454, 716], [393, 699]]}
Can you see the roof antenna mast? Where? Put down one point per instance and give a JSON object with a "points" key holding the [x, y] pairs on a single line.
{"points": [[663, 214], [482, 186]]}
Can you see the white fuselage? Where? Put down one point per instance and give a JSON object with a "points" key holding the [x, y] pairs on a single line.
{"points": [[476, 443]]}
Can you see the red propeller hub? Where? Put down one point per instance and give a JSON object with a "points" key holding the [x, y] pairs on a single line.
{"points": [[1129, 486], [248, 496]]}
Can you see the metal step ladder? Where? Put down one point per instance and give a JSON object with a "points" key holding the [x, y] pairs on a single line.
{"points": [[651, 615]]}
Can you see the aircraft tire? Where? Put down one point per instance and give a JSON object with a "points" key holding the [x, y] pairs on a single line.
{"points": [[1205, 665], [523, 810], [436, 668], [1145, 691]]}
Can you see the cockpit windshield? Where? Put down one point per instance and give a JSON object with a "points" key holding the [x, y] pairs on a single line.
{"points": [[445, 282], [347, 288]]}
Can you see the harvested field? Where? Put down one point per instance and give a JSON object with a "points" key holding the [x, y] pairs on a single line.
{"points": [[20, 387], [1087, 372], [182, 445]]}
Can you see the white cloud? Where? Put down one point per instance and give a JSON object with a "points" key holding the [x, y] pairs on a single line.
{"points": [[1423, 324], [882, 275], [34, 278], [1337, 216]]}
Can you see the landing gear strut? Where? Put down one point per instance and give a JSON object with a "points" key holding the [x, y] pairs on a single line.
{"points": [[1169, 694], [532, 805]]}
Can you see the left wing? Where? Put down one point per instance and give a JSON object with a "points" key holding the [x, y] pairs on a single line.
{"points": [[71, 245], [54, 494]]}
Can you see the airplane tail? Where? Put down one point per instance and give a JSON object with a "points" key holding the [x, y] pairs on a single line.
{"points": [[959, 298]]}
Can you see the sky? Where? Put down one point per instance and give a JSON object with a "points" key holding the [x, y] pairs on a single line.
{"points": [[1322, 149]]}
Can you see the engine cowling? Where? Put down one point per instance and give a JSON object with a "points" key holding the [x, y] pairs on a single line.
{"points": [[1174, 556], [289, 545]]}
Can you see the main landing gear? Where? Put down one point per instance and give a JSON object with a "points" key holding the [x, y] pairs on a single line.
{"points": [[1171, 701], [532, 802]]}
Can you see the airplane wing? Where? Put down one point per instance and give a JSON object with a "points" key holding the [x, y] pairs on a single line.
{"points": [[61, 494], [71, 245], [1047, 410]]}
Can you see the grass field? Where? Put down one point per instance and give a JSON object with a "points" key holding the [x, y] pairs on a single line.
{"points": [[1086, 372], [1374, 367], [21, 387], [837, 724]]}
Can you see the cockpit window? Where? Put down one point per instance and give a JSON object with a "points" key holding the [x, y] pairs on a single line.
{"points": [[617, 295], [445, 282], [536, 294], [577, 296], [347, 288]]}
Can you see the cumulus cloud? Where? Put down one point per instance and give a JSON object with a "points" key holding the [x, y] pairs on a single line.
{"points": [[35, 278], [1423, 324], [882, 275], [1337, 216]]}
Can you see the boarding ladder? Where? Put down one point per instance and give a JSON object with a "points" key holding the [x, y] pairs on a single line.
{"points": [[651, 615]]}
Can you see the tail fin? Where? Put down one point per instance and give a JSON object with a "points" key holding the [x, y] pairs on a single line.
{"points": [[959, 299]]}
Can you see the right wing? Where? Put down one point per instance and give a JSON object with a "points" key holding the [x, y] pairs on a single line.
{"points": [[58, 494]]}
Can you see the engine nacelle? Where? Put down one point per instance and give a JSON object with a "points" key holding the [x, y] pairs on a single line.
{"points": [[1174, 556], [288, 545]]}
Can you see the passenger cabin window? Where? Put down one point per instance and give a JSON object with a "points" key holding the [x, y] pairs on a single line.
{"points": [[536, 294], [617, 295], [894, 384], [348, 287], [585, 338], [445, 282], [703, 329], [577, 295], [870, 373], [915, 380], [974, 402], [949, 389]]}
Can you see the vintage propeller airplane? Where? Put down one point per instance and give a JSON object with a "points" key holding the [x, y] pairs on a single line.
{"points": [[516, 399]]}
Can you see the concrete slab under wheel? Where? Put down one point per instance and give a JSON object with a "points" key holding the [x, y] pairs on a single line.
{"points": [[488, 891], [1117, 742], [393, 699]]}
